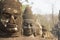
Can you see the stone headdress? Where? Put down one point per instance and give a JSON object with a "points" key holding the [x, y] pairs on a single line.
{"points": [[10, 6], [28, 14]]}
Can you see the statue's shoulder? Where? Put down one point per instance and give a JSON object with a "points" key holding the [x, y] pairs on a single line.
{"points": [[30, 38]]}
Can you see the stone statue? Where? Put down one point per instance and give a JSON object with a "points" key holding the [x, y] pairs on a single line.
{"points": [[10, 18], [29, 25], [28, 21], [37, 29]]}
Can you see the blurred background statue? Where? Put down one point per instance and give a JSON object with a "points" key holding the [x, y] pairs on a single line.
{"points": [[56, 28]]}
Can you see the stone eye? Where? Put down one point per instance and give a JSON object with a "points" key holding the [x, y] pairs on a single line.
{"points": [[31, 25], [6, 15], [26, 24], [15, 17]]}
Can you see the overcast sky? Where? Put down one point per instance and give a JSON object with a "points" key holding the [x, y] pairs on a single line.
{"points": [[44, 6]]}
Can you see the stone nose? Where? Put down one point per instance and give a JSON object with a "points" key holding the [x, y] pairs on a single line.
{"points": [[29, 26], [12, 20]]}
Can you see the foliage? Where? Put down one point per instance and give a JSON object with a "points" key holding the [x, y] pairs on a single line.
{"points": [[46, 20], [23, 7]]}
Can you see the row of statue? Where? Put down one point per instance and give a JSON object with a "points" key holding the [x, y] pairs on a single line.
{"points": [[18, 25]]}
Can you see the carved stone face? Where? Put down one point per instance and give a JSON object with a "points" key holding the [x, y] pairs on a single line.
{"points": [[28, 27], [10, 20]]}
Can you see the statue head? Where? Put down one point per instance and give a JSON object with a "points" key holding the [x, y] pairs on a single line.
{"points": [[28, 22], [10, 16], [28, 27]]}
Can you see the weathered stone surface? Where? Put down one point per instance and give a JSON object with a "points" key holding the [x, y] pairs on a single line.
{"points": [[10, 18]]}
